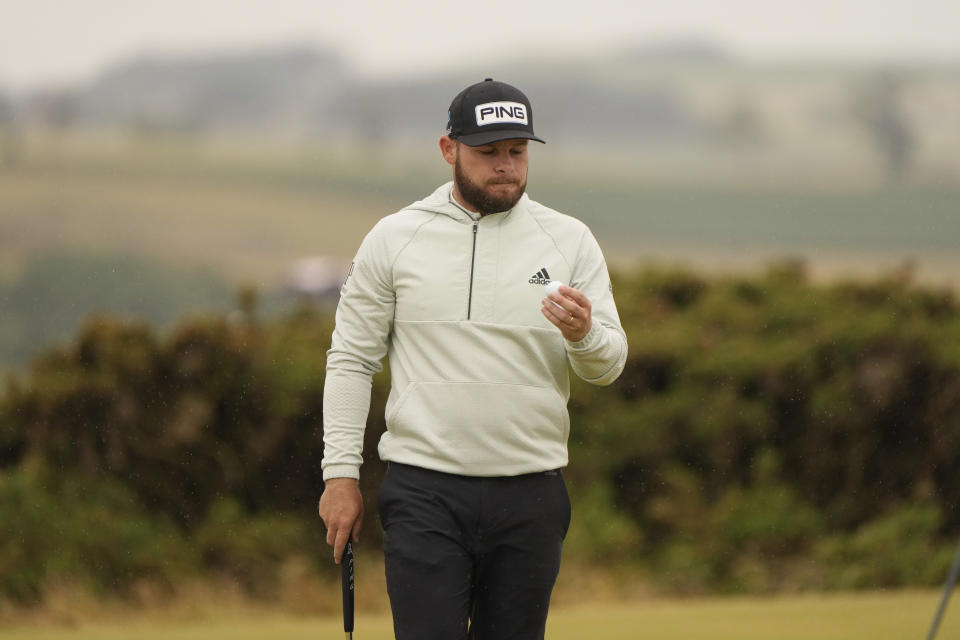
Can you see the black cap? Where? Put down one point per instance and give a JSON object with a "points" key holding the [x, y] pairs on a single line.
{"points": [[490, 111]]}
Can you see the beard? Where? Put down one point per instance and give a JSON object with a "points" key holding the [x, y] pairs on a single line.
{"points": [[479, 198]]}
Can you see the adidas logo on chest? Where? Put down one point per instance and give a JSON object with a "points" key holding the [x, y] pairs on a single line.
{"points": [[540, 277]]}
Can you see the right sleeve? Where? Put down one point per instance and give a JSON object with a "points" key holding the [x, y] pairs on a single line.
{"points": [[360, 340], [599, 357]]}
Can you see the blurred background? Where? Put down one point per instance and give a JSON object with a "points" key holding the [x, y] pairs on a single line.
{"points": [[154, 157], [775, 186]]}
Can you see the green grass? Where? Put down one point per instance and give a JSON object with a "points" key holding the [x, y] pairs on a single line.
{"points": [[866, 616]]}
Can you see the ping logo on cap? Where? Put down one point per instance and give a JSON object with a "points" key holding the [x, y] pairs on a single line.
{"points": [[500, 112]]}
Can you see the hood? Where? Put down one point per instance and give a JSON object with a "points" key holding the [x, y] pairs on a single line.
{"points": [[440, 201]]}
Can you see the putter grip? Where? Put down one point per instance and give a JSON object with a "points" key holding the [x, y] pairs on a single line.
{"points": [[346, 582]]}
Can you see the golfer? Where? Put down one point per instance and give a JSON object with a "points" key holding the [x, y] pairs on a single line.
{"points": [[452, 288]]}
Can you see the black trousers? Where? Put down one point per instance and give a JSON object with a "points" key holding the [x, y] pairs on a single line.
{"points": [[471, 557]]}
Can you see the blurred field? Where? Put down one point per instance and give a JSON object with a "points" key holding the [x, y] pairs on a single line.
{"points": [[159, 227], [244, 222], [248, 213], [870, 616]]}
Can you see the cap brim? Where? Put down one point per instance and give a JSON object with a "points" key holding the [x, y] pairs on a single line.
{"points": [[488, 137]]}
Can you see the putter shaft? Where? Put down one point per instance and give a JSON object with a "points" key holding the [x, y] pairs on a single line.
{"points": [[346, 581]]}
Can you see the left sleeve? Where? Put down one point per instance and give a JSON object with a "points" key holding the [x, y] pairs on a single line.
{"points": [[360, 340], [600, 356]]}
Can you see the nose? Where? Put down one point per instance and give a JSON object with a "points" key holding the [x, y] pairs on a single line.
{"points": [[505, 164]]}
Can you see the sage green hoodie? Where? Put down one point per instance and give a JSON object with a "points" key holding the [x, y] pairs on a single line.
{"points": [[479, 376]]}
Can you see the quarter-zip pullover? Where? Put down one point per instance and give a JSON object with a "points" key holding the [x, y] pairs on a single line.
{"points": [[479, 389]]}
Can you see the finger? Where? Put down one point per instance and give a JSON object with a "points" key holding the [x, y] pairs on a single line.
{"points": [[549, 299], [341, 541], [566, 303], [562, 307], [576, 295], [553, 314], [567, 319], [356, 529], [549, 316], [558, 320]]}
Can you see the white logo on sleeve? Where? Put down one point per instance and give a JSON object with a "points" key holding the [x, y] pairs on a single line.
{"points": [[499, 112]]}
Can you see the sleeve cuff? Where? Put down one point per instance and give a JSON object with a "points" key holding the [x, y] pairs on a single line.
{"points": [[588, 340], [341, 471]]}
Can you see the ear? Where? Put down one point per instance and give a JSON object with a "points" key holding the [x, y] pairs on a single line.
{"points": [[448, 147]]}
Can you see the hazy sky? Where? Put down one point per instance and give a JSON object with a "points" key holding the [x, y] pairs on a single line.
{"points": [[45, 42]]}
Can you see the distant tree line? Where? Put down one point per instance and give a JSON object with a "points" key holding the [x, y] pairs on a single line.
{"points": [[767, 434]]}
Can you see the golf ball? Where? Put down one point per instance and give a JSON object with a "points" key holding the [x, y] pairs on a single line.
{"points": [[553, 287]]}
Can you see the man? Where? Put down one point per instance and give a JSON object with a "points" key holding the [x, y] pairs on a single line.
{"points": [[473, 505]]}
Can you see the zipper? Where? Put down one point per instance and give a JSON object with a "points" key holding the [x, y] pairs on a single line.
{"points": [[473, 258]]}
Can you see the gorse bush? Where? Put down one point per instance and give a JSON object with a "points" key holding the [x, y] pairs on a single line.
{"points": [[67, 528], [767, 433], [251, 548], [213, 410], [757, 415]]}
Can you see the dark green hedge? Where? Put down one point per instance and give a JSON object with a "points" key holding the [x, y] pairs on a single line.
{"points": [[767, 433]]}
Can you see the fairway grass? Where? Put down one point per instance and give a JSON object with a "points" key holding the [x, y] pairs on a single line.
{"points": [[866, 616]]}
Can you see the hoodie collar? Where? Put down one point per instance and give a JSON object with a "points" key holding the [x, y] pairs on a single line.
{"points": [[442, 201]]}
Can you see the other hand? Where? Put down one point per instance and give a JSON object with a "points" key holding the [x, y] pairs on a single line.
{"points": [[341, 508]]}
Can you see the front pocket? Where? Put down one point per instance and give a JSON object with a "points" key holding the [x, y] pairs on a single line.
{"points": [[395, 409]]}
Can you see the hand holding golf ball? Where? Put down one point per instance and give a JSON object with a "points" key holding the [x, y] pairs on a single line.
{"points": [[567, 309], [553, 287]]}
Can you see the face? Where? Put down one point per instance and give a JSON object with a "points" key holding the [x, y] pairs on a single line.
{"points": [[488, 178]]}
